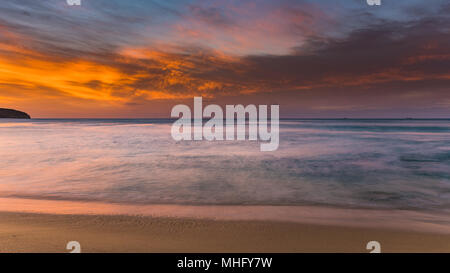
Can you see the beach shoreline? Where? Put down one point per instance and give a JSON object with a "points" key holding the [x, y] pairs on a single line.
{"points": [[395, 219], [35, 232]]}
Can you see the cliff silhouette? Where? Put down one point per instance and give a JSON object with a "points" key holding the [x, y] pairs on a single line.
{"points": [[10, 113]]}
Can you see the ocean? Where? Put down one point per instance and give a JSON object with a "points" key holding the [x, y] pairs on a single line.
{"points": [[380, 164]]}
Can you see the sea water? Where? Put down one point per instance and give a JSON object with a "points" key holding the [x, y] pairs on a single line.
{"points": [[382, 164]]}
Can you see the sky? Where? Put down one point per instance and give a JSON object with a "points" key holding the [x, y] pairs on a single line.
{"points": [[139, 58]]}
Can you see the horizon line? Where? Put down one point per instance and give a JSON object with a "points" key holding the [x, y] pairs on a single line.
{"points": [[281, 118]]}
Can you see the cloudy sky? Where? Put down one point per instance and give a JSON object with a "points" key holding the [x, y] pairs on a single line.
{"points": [[316, 59]]}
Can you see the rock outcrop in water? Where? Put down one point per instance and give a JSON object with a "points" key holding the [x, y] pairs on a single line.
{"points": [[10, 113]]}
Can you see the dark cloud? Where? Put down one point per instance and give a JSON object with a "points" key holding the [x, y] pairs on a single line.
{"points": [[395, 51]]}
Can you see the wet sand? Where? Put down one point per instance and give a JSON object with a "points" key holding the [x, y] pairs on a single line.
{"points": [[34, 232]]}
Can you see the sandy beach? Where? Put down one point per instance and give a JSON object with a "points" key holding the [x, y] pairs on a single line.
{"points": [[28, 225], [31, 232]]}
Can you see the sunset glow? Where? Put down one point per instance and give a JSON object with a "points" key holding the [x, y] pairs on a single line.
{"points": [[311, 57]]}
